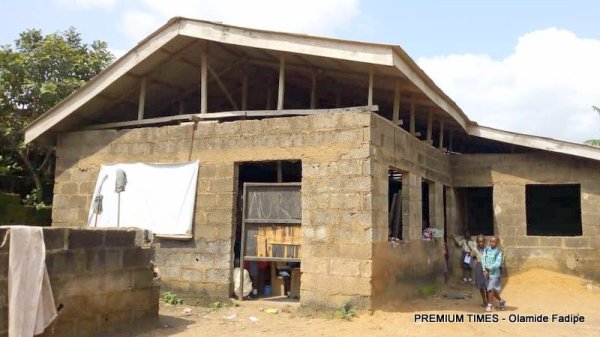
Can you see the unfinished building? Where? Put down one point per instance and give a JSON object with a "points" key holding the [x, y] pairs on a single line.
{"points": [[327, 157]]}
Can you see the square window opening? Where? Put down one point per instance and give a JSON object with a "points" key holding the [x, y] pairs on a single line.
{"points": [[553, 210]]}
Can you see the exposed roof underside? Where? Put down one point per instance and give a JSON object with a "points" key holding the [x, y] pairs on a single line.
{"points": [[168, 57]]}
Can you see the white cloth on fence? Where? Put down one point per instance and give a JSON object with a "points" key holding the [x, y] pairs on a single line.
{"points": [[157, 197], [30, 302]]}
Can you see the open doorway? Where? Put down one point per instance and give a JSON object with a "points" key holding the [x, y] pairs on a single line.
{"points": [[395, 205], [268, 229]]}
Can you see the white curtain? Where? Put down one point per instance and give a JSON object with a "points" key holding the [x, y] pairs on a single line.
{"points": [[157, 197]]}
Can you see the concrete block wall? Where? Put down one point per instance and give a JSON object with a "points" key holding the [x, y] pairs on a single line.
{"points": [[334, 150], [100, 277], [508, 174], [400, 269]]}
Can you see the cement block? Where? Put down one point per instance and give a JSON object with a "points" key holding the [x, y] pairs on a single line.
{"points": [[119, 238], [84, 238]]}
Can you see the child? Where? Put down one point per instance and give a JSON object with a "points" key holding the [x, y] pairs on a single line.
{"points": [[480, 280], [491, 262], [468, 246]]}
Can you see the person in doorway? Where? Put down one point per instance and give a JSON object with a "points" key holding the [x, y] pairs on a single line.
{"points": [[241, 292], [491, 263], [480, 280], [468, 246]]}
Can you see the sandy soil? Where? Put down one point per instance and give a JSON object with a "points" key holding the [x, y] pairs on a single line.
{"points": [[530, 293]]}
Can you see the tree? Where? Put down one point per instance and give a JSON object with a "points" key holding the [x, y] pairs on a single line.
{"points": [[36, 73], [594, 142]]}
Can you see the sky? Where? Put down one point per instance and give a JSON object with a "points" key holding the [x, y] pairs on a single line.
{"points": [[527, 66]]}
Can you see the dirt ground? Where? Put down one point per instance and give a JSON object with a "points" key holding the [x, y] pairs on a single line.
{"points": [[530, 293]]}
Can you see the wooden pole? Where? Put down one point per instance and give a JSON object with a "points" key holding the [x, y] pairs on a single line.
{"points": [[413, 107], [450, 139], [244, 92], [281, 88], [313, 90], [181, 107], [429, 126], [396, 109], [338, 98], [142, 100], [441, 145], [223, 88], [203, 82], [370, 96]]}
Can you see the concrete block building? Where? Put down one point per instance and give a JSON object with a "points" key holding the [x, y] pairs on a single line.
{"points": [[364, 149]]}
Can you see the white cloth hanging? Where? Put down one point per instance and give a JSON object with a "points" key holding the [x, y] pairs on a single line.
{"points": [[30, 302], [157, 197]]}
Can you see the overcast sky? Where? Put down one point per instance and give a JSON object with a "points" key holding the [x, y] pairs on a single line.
{"points": [[522, 65]]}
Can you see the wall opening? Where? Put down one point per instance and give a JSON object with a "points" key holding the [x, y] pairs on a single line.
{"points": [[478, 209], [553, 210], [395, 204], [425, 197], [273, 275]]}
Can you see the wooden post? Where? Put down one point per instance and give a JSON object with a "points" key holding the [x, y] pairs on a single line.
{"points": [[429, 125], [203, 82], [223, 88], [142, 100], [370, 97], [441, 145], [181, 107], [413, 107], [450, 139], [313, 90], [244, 92], [338, 98], [281, 88], [396, 109]]}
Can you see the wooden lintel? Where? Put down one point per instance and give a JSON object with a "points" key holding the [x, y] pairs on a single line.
{"points": [[142, 98], [229, 114], [281, 86]]}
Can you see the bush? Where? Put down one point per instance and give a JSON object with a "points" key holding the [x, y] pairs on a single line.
{"points": [[345, 312], [171, 298]]}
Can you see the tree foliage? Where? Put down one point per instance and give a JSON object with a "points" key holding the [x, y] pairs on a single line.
{"points": [[37, 72]]}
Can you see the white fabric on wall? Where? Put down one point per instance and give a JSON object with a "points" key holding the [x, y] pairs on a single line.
{"points": [[30, 302], [157, 197]]}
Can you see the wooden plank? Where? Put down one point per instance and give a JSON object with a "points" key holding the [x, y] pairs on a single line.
{"points": [[228, 114], [396, 108], [370, 95], [203, 82], [142, 100], [281, 87], [223, 88]]}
